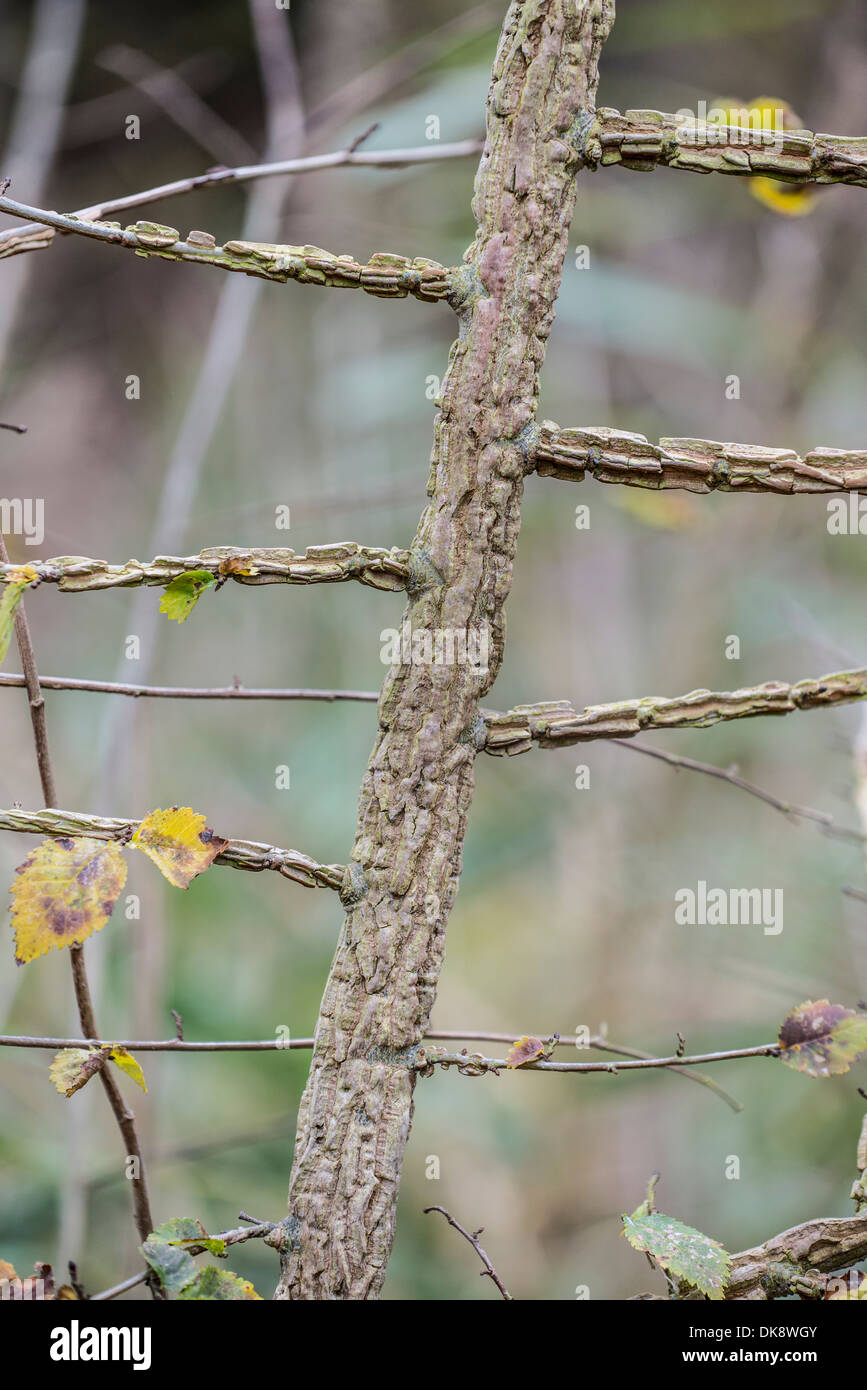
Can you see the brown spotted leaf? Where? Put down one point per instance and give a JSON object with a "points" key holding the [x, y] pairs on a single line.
{"points": [[823, 1039], [179, 843], [64, 891], [525, 1050]]}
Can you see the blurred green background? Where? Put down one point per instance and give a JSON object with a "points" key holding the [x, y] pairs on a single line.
{"points": [[566, 910]]}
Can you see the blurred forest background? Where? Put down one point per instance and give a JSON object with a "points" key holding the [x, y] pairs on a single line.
{"points": [[256, 395]]}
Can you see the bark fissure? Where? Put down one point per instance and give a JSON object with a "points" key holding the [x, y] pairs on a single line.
{"points": [[356, 1111]]}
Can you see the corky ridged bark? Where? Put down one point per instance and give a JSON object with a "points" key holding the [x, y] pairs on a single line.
{"points": [[355, 1115]]}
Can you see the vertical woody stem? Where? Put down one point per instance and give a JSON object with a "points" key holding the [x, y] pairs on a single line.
{"points": [[355, 1115]]}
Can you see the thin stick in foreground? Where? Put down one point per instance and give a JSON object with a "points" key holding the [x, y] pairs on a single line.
{"points": [[473, 1238]]}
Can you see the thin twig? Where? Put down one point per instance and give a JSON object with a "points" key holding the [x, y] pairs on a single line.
{"points": [[473, 1238], [123, 1115], [730, 775], [174, 692], [213, 178], [427, 1057]]}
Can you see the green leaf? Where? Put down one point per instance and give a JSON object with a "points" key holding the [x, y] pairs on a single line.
{"points": [[212, 1283], [823, 1039], [182, 595], [684, 1252], [173, 1266]]}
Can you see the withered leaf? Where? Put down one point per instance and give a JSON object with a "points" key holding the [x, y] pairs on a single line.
{"points": [[64, 891], [822, 1039], [179, 843]]}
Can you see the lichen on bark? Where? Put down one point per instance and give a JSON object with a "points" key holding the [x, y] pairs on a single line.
{"points": [[356, 1111]]}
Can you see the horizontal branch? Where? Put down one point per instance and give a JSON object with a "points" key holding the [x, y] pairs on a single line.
{"points": [[767, 1271], [645, 139], [475, 1064], [320, 564], [696, 465], [35, 236], [238, 854], [180, 692], [385, 275], [600, 1043], [557, 724]]}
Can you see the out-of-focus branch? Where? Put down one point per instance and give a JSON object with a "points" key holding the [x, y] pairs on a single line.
{"points": [[643, 140], [37, 117], [385, 275], [731, 775], [238, 854], [557, 724], [168, 89], [322, 564], [696, 465]]}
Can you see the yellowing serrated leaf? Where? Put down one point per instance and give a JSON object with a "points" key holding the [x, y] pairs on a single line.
{"points": [[73, 1068], [128, 1064], [179, 843], [65, 890], [182, 595], [16, 581]]}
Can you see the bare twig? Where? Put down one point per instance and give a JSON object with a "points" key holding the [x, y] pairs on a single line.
{"points": [[730, 775], [473, 1238], [174, 692], [216, 178]]}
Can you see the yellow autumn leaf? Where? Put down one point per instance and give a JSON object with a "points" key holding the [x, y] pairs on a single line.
{"points": [[179, 843], [128, 1064], [16, 581], [7, 1271], [770, 113], [65, 890], [74, 1066]]}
